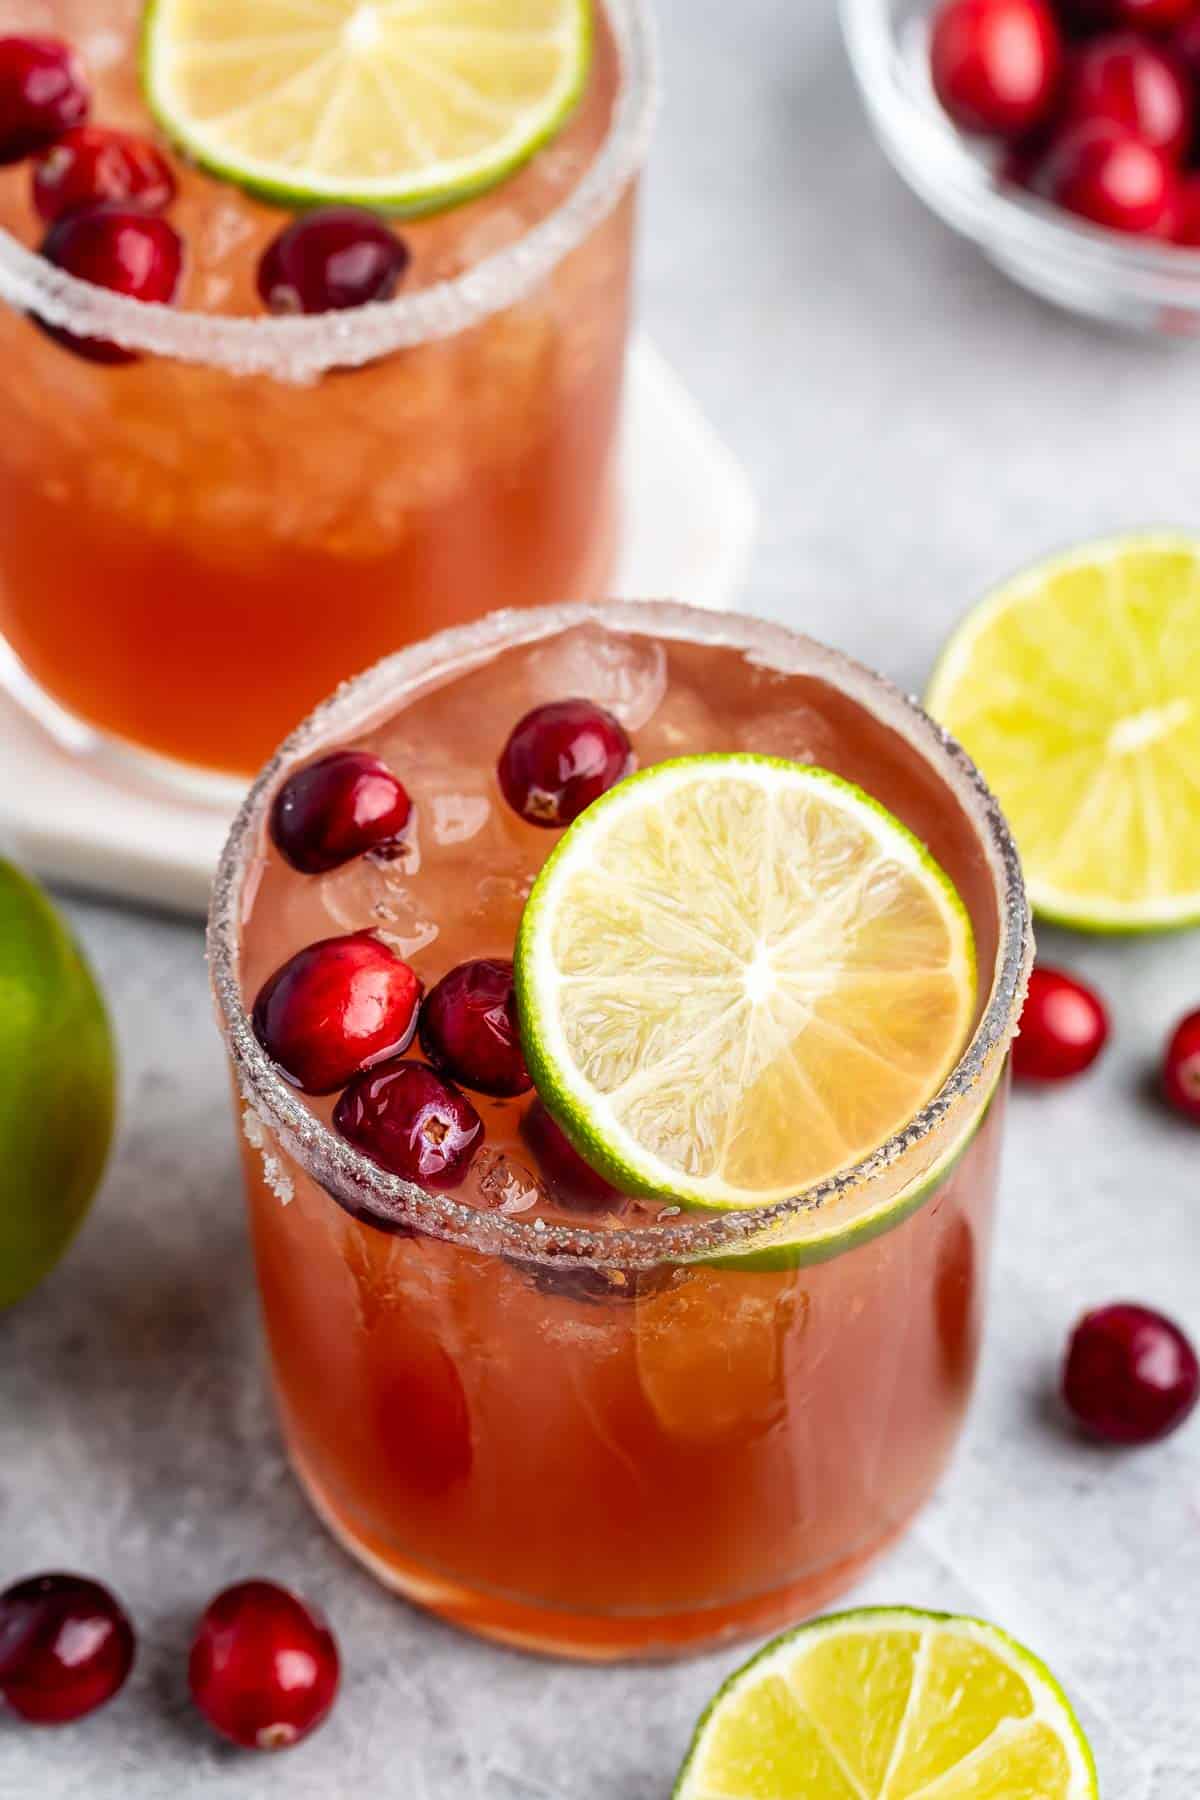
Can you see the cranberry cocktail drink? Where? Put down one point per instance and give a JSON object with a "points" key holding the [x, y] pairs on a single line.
{"points": [[211, 511], [622, 1092]]}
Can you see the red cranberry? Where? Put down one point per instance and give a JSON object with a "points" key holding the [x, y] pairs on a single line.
{"points": [[572, 1181], [996, 64], [1134, 85], [335, 809], [337, 1007], [66, 1646], [1111, 178], [331, 258], [42, 92], [264, 1667], [560, 758], [1181, 1065], [1064, 1027], [469, 1028], [409, 1121], [114, 247], [1131, 1376], [91, 166]]}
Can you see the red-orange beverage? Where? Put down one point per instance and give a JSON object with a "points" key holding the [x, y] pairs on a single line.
{"points": [[196, 545], [563, 1427]]}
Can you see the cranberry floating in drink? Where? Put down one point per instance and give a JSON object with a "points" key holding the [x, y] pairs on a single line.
{"points": [[410, 1122], [120, 249], [469, 1028], [559, 758], [338, 808], [571, 1179], [43, 91], [329, 259], [336, 1008], [93, 166]]}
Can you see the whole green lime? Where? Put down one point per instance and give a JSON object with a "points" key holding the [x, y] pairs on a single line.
{"points": [[57, 1085]]}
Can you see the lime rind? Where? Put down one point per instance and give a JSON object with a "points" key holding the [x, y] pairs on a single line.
{"points": [[1094, 914], [58, 1085], [1051, 1704], [571, 1101], [431, 193]]}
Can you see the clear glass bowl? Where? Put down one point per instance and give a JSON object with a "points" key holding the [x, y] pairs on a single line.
{"points": [[1125, 281]]}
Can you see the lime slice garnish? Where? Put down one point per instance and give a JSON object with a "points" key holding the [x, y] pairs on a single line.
{"points": [[1076, 687], [57, 1085], [890, 1704], [816, 1234], [404, 105], [737, 975]]}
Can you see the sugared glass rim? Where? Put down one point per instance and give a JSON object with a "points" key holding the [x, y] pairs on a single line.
{"points": [[388, 1198], [299, 349]]}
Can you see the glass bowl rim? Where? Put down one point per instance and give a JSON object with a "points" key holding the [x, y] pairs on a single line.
{"points": [[301, 348], [389, 1200], [937, 161]]}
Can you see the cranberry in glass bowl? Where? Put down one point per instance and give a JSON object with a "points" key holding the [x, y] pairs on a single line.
{"points": [[1143, 280]]}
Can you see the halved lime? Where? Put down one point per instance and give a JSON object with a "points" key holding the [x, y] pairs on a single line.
{"points": [[736, 975], [408, 106], [888, 1703], [1076, 688], [57, 1085]]}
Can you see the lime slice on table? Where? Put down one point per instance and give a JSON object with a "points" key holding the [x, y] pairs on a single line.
{"points": [[1076, 687], [890, 1704], [404, 105], [736, 975], [57, 1085]]}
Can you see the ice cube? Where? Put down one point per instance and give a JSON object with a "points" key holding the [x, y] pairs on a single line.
{"points": [[457, 818], [626, 675], [506, 1185], [799, 733], [372, 895]]}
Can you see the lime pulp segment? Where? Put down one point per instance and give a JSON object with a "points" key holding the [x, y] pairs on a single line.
{"points": [[890, 1704], [737, 975], [408, 106], [1076, 688]]}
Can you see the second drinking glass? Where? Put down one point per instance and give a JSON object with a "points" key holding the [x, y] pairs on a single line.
{"points": [[196, 543]]}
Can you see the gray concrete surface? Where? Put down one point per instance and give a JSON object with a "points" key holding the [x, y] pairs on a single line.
{"points": [[916, 427]]}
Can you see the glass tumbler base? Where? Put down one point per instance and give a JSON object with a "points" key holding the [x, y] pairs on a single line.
{"points": [[590, 1637]]}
